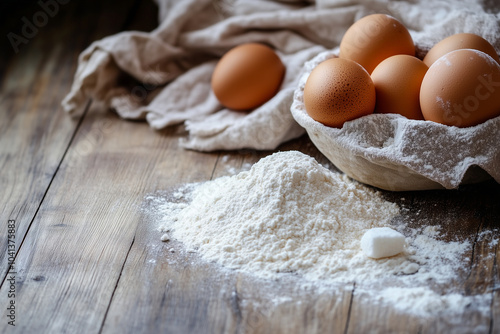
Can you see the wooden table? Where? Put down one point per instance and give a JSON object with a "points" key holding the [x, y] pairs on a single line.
{"points": [[88, 259]]}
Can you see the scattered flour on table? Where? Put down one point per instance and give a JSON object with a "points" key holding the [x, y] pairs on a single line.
{"points": [[289, 214]]}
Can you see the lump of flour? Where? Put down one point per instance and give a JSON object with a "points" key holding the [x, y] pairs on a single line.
{"points": [[286, 214]]}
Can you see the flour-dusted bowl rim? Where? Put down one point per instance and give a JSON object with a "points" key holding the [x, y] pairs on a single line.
{"points": [[391, 152]]}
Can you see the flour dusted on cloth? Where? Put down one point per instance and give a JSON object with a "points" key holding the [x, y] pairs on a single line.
{"points": [[171, 66]]}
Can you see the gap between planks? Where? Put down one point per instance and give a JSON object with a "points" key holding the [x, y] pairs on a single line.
{"points": [[80, 121]]}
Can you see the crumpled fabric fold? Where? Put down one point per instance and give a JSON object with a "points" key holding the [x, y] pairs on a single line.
{"points": [[163, 76]]}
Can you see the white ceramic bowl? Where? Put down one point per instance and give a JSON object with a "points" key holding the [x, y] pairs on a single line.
{"points": [[391, 152]]}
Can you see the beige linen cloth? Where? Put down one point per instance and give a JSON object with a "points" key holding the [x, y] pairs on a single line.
{"points": [[164, 76]]}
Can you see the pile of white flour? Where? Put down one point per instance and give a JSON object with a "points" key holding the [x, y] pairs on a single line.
{"points": [[289, 214]]}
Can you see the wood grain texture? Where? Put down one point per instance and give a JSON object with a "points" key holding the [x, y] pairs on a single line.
{"points": [[169, 290], [34, 131], [73, 256], [92, 260]]}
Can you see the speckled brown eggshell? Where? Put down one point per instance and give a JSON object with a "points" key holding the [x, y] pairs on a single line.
{"points": [[338, 90], [374, 38], [457, 42], [462, 88], [247, 76]]}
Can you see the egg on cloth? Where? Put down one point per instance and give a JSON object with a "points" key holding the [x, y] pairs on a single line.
{"points": [[397, 81], [461, 88], [338, 90], [457, 42], [247, 76], [374, 38]]}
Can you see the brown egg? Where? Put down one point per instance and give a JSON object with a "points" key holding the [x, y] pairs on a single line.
{"points": [[457, 42], [374, 38], [338, 90], [397, 82], [247, 76], [462, 88]]}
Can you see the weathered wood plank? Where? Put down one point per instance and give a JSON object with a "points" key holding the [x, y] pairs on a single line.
{"points": [[162, 291], [34, 131], [71, 260], [286, 306], [174, 291]]}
